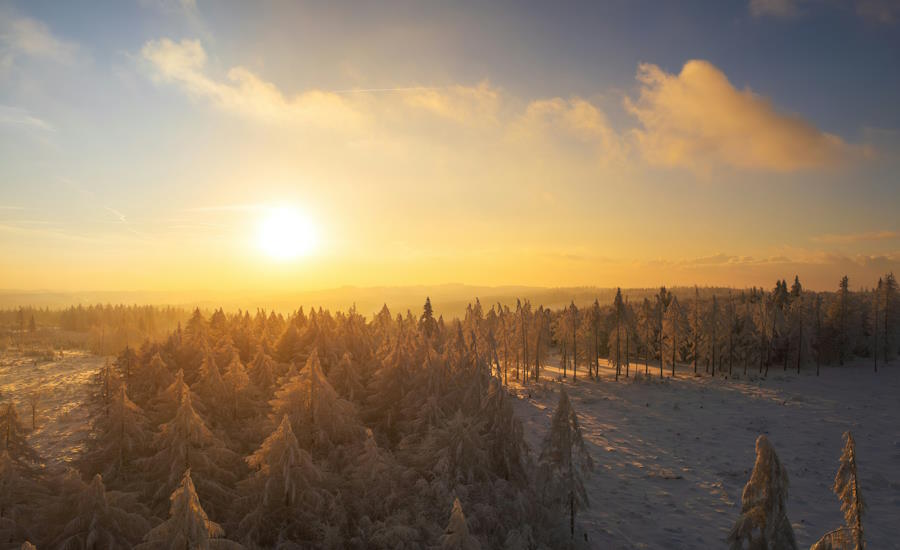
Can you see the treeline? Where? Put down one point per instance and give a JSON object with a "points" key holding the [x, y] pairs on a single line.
{"points": [[102, 329], [737, 332]]}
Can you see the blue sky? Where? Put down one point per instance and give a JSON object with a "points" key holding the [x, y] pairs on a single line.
{"points": [[156, 133]]}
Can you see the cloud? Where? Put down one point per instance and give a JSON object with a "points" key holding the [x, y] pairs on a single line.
{"points": [[18, 117], [774, 8], [392, 119], [22, 35], [850, 238], [879, 11], [184, 63], [697, 119], [462, 104]]}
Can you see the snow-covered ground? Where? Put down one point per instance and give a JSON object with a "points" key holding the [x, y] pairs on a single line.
{"points": [[62, 423], [672, 456]]}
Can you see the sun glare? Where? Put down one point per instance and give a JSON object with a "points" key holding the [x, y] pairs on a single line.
{"points": [[286, 233]]}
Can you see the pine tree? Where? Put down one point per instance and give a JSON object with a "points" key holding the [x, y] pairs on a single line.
{"points": [[116, 440], [346, 379], [317, 413], [456, 535], [456, 451], [427, 324], [14, 441], [86, 515], [152, 378], [19, 498], [188, 526], [166, 403], [211, 389], [262, 373], [846, 487], [763, 523], [563, 462], [507, 450], [236, 380], [284, 490], [186, 442]]}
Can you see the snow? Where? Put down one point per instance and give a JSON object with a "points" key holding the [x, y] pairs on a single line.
{"points": [[62, 421], [672, 456]]}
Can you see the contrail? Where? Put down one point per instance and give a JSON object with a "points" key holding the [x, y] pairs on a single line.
{"points": [[377, 90]]}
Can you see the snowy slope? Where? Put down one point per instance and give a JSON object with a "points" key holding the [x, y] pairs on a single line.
{"points": [[62, 422], [672, 456]]}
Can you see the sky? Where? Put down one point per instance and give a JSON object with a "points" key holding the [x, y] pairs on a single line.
{"points": [[150, 144]]}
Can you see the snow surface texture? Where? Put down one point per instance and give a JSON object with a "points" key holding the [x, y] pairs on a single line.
{"points": [[671, 457], [62, 422]]}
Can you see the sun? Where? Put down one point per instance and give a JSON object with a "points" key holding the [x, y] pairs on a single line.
{"points": [[286, 233]]}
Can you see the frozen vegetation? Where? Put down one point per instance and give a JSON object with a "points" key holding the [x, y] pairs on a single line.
{"points": [[746, 420]]}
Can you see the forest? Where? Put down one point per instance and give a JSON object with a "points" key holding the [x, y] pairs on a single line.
{"points": [[332, 430]]}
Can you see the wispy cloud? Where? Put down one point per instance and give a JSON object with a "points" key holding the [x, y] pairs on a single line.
{"points": [[18, 117], [23, 35], [249, 207], [851, 238]]}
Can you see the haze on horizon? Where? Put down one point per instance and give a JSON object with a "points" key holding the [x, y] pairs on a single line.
{"points": [[169, 146]]}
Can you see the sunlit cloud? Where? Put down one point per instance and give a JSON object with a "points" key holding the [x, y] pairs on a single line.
{"points": [[184, 63], [386, 117], [697, 119]]}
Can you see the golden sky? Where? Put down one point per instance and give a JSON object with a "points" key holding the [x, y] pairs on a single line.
{"points": [[148, 148]]}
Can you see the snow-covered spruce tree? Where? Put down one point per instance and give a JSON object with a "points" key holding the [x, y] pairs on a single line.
{"points": [[166, 403], [186, 442], [369, 485], [317, 414], [456, 536], [211, 390], [563, 462], [12, 437], [188, 526], [86, 515], [763, 523], [236, 380], [150, 379], [846, 487], [19, 498], [507, 450], [347, 380], [284, 493], [117, 440], [262, 373], [386, 391], [455, 452]]}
